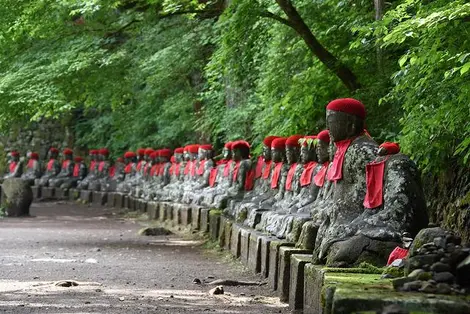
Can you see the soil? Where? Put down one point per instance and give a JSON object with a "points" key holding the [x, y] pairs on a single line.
{"points": [[117, 270]]}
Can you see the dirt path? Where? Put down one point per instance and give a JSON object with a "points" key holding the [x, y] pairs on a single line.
{"points": [[118, 271]]}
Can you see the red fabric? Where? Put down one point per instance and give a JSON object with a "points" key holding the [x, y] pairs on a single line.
{"points": [[128, 168], [228, 145], [164, 152], [112, 171], [259, 167], [92, 165], [306, 177], [235, 171], [34, 156], [193, 168], [397, 253], [146, 168], [249, 180], [213, 177], [104, 152], [76, 170], [374, 181], [65, 164], [391, 148], [153, 170], [67, 151], [139, 165], [50, 164], [179, 150], [221, 162], [206, 147], [348, 105], [324, 136], [30, 164], [293, 140], [290, 176], [193, 149], [267, 169], [336, 171], [276, 175], [240, 144], [269, 139], [129, 155], [14, 153], [319, 178], [161, 169], [200, 169], [279, 143], [187, 167], [101, 166], [12, 166], [227, 168]]}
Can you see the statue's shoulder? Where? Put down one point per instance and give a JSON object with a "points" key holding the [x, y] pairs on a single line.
{"points": [[246, 164]]}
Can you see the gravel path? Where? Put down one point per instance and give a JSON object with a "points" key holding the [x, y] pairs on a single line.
{"points": [[118, 271]]}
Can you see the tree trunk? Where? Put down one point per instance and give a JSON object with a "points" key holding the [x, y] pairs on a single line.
{"points": [[297, 23], [379, 13]]}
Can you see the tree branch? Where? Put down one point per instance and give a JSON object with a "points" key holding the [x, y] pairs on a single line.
{"points": [[277, 18], [162, 16]]}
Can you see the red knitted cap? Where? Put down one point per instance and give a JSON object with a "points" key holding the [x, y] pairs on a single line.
{"points": [[164, 152], [228, 145], [240, 144], [120, 159], [348, 105], [141, 151], [14, 153], [67, 151], [154, 154], [148, 151], [279, 143], [293, 140], [34, 155], [206, 147], [391, 148], [78, 159], [324, 136], [93, 152], [179, 150], [54, 150], [104, 152], [129, 155], [193, 148], [269, 139]]}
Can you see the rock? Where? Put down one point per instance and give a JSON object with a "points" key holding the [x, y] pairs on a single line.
{"points": [[444, 277], [217, 290], [66, 283], [440, 242], [413, 285], [398, 263], [394, 309], [17, 197], [121, 299], [197, 281], [419, 261], [428, 287], [443, 288], [154, 231], [425, 236], [415, 273], [440, 267], [463, 272], [91, 261], [398, 283]]}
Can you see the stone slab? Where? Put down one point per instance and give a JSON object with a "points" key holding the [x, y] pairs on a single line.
{"points": [[86, 196], [185, 216], [74, 194], [235, 240], [61, 194], [163, 212], [36, 192], [169, 209], [152, 210], [47, 192], [226, 226], [283, 281], [175, 213], [264, 254], [254, 251], [125, 201], [244, 244], [141, 205], [273, 273], [119, 200], [196, 218], [100, 198], [313, 284], [296, 286], [214, 224], [204, 220]]}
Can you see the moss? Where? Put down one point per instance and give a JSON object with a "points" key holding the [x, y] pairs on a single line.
{"points": [[394, 271], [215, 212], [364, 268], [242, 215]]}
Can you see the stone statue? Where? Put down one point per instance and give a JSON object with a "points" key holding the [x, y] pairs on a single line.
{"points": [[102, 172], [176, 176], [92, 170], [129, 173], [351, 232], [242, 175], [33, 169], [162, 172], [15, 166], [116, 175], [80, 171], [202, 177], [53, 168], [66, 171]]}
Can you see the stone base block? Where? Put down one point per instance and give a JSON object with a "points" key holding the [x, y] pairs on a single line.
{"points": [[176, 213], [214, 224], [296, 287], [47, 192], [74, 194], [132, 203], [163, 216], [225, 233], [235, 240], [36, 192], [283, 281], [86, 196], [196, 218], [273, 273], [100, 198], [152, 210], [204, 220], [119, 200], [244, 245], [125, 201], [141, 205], [254, 252], [61, 194], [185, 216], [313, 284], [264, 254]]}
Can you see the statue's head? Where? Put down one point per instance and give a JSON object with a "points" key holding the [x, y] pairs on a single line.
{"points": [[186, 155], [308, 149], [147, 154], [345, 118], [34, 156], [205, 152], [141, 154], [164, 155], [179, 154], [293, 149], [193, 152], [68, 154], [388, 148], [267, 147], [240, 150], [53, 153], [323, 144], [104, 154], [227, 151], [78, 159], [278, 149], [15, 155], [130, 157]]}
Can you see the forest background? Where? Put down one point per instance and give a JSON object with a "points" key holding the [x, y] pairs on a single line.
{"points": [[153, 73]]}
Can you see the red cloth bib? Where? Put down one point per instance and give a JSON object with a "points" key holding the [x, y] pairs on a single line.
{"points": [[259, 167], [336, 171], [12, 166], [227, 168], [374, 181], [267, 169], [213, 177], [187, 167], [193, 168], [65, 164], [290, 177], [139, 165], [276, 175], [200, 170], [161, 169], [250, 180], [146, 168], [112, 171], [76, 170], [92, 165], [101, 166], [306, 177], [397, 253], [30, 164], [221, 162], [235, 171], [50, 164], [153, 170], [319, 178], [128, 168]]}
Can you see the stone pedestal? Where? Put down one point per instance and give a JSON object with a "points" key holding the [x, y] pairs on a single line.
{"points": [[204, 220], [244, 245], [86, 196], [235, 240], [226, 226], [131, 203], [196, 218], [176, 213], [152, 210], [214, 224], [185, 216], [100, 198], [36, 192], [283, 281], [296, 287], [141, 205], [61, 194], [254, 252], [118, 200], [47, 192], [273, 274], [265, 249], [16, 197], [74, 194]]}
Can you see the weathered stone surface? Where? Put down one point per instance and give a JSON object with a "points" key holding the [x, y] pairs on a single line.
{"points": [[47, 192], [235, 240], [226, 226], [283, 284], [74, 194], [17, 197], [185, 216], [313, 288], [36, 191], [425, 236], [244, 244], [61, 194], [296, 287], [214, 224], [85, 196], [100, 198], [204, 220], [196, 218], [265, 254], [254, 252], [274, 248], [152, 210]]}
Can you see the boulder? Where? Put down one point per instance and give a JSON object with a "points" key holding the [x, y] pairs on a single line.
{"points": [[17, 197], [425, 236]]}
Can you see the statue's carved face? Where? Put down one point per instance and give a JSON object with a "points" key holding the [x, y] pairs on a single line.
{"points": [[266, 153], [342, 125], [194, 156], [202, 154], [226, 153], [178, 157], [68, 157], [54, 155], [164, 159], [15, 158], [322, 149], [382, 151], [278, 155], [186, 156], [308, 154], [237, 155], [292, 154]]}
